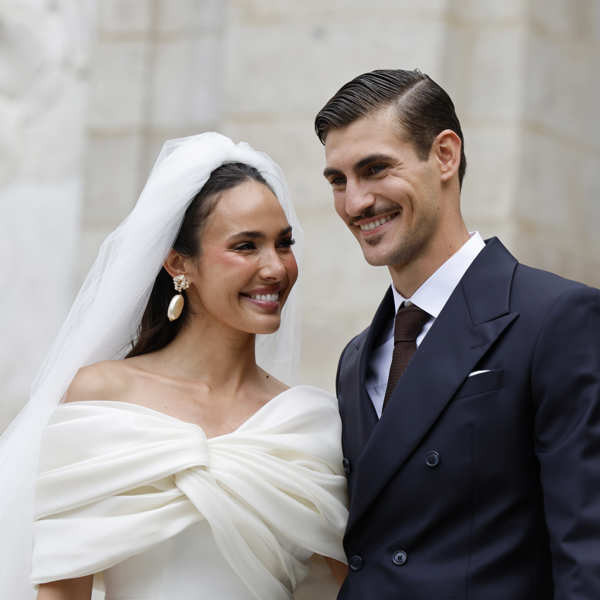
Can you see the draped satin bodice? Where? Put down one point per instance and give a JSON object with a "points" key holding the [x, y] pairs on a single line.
{"points": [[174, 568], [138, 494]]}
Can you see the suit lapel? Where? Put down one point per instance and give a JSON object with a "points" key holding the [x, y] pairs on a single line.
{"points": [[473, 318], [361, 416]]}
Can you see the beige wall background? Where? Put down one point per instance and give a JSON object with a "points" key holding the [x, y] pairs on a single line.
{"points": [[89, 89]]}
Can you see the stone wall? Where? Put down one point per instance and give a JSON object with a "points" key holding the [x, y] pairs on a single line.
{"points": [[156, 74], [557, 191], [523, 76], [43, 90], [522, 73]]}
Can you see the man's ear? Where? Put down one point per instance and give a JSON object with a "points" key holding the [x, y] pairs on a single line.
{"points": [[446, 148], [175, 264]]}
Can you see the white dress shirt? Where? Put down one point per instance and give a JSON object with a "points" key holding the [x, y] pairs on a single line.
{"points": [[431, 297]]}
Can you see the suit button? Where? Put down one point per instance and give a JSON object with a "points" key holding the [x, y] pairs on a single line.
{"points": [[432, 459], [356, 562], [347, 466], [400, 557]]}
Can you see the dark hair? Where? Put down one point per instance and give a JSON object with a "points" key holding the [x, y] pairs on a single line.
{"points": [[155, 330], [424, 108]]}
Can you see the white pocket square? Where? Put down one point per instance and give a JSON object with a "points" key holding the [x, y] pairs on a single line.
{"points": [[473, 373]]}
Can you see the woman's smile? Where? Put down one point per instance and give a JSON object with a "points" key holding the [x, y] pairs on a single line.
{"points": [[266, 298]]}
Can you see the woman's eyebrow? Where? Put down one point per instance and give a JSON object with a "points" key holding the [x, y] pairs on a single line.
{"points": [[255, 235], [248, 234]]}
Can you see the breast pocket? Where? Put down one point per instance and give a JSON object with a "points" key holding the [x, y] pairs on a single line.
{"points": [[480, 383]]}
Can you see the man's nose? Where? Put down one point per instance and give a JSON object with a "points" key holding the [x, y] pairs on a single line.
{"points": [[357, 199]]}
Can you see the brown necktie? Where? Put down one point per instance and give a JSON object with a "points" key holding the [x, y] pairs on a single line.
{"points": [[407, 326]]}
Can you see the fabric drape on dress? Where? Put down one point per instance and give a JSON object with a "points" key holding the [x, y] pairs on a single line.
{"points": [[118, 478]]}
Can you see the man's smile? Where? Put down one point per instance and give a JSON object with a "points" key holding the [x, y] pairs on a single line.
{"points": [[373, 225]]}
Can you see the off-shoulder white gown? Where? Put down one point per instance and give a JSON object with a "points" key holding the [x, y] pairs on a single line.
{"points": [[166, 513]]}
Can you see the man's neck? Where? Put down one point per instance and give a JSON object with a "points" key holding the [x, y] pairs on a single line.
{"points": [[408, 278]]}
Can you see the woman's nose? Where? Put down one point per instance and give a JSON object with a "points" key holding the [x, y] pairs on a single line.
{"points": [[272, 266]]}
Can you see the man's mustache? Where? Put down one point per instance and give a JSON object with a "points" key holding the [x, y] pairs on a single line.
{"points": [[375, 211]]}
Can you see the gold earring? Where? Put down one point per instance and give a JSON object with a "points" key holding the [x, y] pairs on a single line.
{"points": [[177, 301]]}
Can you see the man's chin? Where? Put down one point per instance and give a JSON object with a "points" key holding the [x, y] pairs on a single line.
{"points": [[372, 251], [376, 260]]}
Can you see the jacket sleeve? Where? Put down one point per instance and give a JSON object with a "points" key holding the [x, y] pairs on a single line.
{"points": [[565, 382]]}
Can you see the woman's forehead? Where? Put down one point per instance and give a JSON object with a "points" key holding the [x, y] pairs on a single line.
{"points": [[249, 205]]}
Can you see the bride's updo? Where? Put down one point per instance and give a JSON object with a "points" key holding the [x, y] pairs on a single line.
{"points": [[155, 330]]}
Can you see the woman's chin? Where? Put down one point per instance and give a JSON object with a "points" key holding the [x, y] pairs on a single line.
{"points": [[266, 329], [266, 324]]}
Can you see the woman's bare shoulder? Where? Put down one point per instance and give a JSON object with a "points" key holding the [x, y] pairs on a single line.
{"points": [[106, 380]]}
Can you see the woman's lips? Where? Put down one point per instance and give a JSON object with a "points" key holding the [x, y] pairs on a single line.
{"points": [[268, 300]]}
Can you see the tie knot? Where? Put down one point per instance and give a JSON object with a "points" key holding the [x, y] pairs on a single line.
{"points": [[409, 323]]}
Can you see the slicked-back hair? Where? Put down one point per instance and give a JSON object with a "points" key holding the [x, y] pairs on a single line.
{"points": [[424, 108]]}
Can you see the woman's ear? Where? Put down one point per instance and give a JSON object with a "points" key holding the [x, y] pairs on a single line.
{"points": [[175, 264], [446, 147]]}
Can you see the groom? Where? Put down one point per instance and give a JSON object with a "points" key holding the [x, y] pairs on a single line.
{"points": [[471, 404]]}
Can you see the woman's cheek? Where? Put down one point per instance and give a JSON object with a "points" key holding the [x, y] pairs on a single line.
{"points": [[291, 267], [293, 270]]}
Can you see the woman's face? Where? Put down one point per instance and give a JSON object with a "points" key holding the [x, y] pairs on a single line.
{"points": [[246, 268]]}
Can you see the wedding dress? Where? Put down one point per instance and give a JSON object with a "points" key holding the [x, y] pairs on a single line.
{"points": [[140, 496], [165, 512]]}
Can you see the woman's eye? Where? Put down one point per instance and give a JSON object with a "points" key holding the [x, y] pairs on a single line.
{"points": [[287, 243]]}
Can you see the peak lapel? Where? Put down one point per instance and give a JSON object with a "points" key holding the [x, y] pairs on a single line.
{"points": [[473, 318], [358, 408]]}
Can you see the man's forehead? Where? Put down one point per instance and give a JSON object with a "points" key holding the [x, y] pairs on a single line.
{"points": [[347, 146]]}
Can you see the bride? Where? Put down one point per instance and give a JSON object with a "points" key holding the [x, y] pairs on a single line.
{"points": [[178, 464]]}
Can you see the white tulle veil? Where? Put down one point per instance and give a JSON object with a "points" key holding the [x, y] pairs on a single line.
{"points": [[105, 316]]}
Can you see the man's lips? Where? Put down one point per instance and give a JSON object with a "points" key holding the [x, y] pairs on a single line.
{"points": [[371, 225]]}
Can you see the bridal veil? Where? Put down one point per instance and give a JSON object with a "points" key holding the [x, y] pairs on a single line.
{"points": [[105, 316]]}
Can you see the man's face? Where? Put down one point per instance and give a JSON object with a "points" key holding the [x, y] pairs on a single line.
{"points": [[387, 196]]}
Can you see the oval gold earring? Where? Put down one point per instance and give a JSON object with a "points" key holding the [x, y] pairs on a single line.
{"points": [[175, 309]]}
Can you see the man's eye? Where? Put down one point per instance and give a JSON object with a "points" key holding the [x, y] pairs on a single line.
{"points": [[375, 169], [337, 181], [244, 246]]}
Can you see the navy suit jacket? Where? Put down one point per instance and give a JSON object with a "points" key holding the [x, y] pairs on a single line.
{"points": [[482, 487]]}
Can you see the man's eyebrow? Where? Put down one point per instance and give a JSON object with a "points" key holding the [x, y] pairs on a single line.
{"points": [[367, 160], [363, 162], [329, 171]]}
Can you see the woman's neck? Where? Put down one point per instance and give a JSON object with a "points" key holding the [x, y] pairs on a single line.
{"points": [[210, 352]]}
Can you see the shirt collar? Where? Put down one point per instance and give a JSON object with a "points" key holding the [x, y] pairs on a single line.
{"points": [[433, 294]]}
